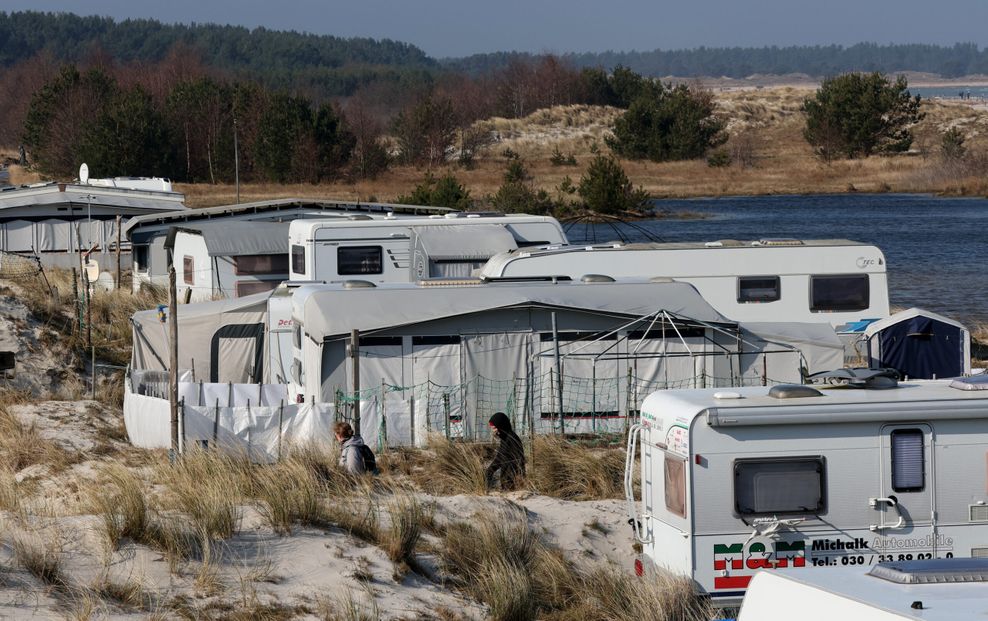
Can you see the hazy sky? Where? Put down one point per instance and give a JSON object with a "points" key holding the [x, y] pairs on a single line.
{"points": [[462, 27]]}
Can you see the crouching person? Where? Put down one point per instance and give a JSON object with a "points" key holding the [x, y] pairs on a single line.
{"points": [[509, 461], [355, 456]]}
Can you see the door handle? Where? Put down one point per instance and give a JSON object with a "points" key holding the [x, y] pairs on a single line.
{"points": [[891, 502]]}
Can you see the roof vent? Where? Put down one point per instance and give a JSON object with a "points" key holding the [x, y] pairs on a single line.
{"points": [[975, 382], [358, 284], [935, 571], [359, 216], [661, 279], [793, 391], [873, 379], [452, 216], [777, 241], [596, 278]]}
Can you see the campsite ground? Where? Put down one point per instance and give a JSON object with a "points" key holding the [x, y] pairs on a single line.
{"points": [[91, 527]]}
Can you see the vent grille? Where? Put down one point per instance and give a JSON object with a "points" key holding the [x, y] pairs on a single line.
{"points": [[979, 552], [978, 513]]}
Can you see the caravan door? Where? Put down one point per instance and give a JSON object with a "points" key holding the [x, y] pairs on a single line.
{"points": [[905, 523]]}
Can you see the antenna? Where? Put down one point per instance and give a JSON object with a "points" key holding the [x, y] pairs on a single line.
{"points": [[84, 173]]}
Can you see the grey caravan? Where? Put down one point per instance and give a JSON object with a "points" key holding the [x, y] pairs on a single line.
{"points": [[791, 477], [391, 250]]}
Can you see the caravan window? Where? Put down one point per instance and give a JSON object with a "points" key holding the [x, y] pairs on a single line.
{"points": [[779, 486], [298, 259], [839, 293], [250, 287], [141, 259], [355, 260], [188, 270], [675, 485], [908, 461], [260, 264], [758, 289]]}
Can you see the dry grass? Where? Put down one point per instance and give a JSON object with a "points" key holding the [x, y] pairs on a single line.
{"points": [[120, 500], [610, 594], [405, 519], [41, 555], [23, 445], [770, 121], [207, 487], [571, 471], [452, 467], [289, 494]]}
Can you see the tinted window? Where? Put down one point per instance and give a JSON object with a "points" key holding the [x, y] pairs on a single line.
{"points": [[298, 259], [771, 486], [839, 293], [359, 260], [908, 461], [260, 264], [675, 484], [758, 289], [188, 270], [250, 287]]}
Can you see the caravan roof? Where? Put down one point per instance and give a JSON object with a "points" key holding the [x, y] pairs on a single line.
{"points": [[740, 407], [335, 309]]}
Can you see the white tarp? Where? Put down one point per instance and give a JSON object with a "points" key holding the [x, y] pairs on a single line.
{"points": [[821, 348]]}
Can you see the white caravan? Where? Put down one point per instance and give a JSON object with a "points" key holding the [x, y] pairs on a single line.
{"points": [[928, 590], [738, 480], [393, 250], [833, 281]]}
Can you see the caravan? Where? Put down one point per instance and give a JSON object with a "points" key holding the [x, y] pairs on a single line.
{"points": [[733, 481], [815, 281], [453, 245]]}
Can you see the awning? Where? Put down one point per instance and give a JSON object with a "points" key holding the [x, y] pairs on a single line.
{"points": [[465, 242], [237, 238]]}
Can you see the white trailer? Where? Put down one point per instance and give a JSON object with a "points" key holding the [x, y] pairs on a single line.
{"points": [[394, 250], [930, 590], [833, 281], [792, 477]]}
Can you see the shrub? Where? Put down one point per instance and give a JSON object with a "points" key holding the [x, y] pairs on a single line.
{"points": [[445, 191], [605, 188], [858, 114], [952, 145], [558, 159], [719, 159]]}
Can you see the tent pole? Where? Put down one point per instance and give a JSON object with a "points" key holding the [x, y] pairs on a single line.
{"points": [[355, 357], [559, 374], [173, 359]]}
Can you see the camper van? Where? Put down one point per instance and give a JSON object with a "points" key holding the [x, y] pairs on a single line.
{"points": [[453, 245], [834, 281], [738, 480]]}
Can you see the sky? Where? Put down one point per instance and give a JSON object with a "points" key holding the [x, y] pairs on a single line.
{"points": [[450, 28]]}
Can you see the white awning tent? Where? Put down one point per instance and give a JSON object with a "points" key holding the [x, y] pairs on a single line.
{"points": [[221, 341], [479, 242]]}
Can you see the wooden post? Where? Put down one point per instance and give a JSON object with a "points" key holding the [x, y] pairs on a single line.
{"points": [[119, 272], [87, 294], [355, 357], [559, 375], [173, 358]]}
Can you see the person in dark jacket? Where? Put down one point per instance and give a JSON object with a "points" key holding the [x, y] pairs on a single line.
{"points": [[509, 461]]}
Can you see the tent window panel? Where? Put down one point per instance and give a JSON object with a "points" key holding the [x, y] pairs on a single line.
{"points": [[188, 270], [298, 259], [250, 287], [140, 260], [755, 289], [839, 293], [453, 269], [779, 486], [675, 485], [260, 264], [355, 260], [908, 460]]}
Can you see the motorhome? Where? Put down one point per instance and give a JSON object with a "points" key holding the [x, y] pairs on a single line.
{"points": [[919, 590], [835, 281], [453, 245], [733, 481]]}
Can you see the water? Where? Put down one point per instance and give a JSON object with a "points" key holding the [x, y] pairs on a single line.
{"points": [[933, 245], [978, 93]]}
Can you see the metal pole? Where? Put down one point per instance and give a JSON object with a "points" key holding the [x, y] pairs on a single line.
{"points": [[355, 357], [89, 309], [559, 374], [93, 364], [236, 158], [119, 220], [173, 358]]}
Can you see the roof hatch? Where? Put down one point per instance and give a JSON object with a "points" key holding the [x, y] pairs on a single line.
{"points": [[935, 571]]}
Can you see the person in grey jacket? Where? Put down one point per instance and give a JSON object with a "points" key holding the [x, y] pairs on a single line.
{"points": [[353, 451]]}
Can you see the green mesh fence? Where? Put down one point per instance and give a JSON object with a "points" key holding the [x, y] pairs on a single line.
{"points": [[461, 411]]}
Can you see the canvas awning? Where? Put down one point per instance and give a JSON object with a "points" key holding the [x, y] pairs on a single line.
{"points": [[458, 241], [237, 238], [333, 310]]}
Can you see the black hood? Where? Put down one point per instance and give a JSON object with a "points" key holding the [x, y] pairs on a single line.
{"points": [[501, 423]]}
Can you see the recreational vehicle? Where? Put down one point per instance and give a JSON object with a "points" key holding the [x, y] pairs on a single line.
{"points": [[391, 250], [733, 481], [149, 233], [919, 590], [833, 281]]}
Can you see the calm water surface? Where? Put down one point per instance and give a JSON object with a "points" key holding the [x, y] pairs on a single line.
{"points": [[937, 248]]}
